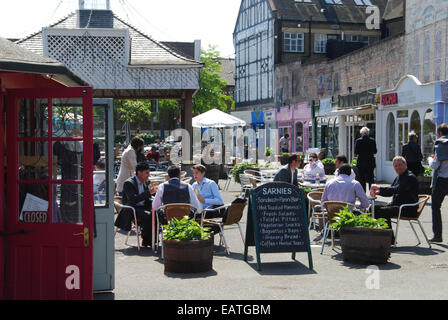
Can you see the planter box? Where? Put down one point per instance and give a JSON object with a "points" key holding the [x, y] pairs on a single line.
{"points": [[192, 256], [365, 245], [424, 185]]}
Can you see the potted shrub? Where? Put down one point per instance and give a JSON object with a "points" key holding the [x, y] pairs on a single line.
{"points": [[188, 247], [329, 166], [239, 168], [364, 240], [424, 182]]}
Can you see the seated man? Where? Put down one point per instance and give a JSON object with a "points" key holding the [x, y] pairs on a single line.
{"points": [[206, 190], [314, 169], [403, 190], [136, 194], [338, 162], [153, 155], [344, 188], [289, 172], [175, 191]]}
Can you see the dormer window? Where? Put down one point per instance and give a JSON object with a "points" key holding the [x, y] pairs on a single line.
{"points": [[94, 4], [333, 1]]}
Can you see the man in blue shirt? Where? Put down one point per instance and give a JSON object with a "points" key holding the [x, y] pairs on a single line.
{"points": [[206, 190]]}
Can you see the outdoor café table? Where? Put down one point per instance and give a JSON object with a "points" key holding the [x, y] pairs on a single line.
{"points": [[312, 185]]}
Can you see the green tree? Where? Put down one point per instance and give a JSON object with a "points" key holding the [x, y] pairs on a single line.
{"points": [[211, 95], [134, 111], [169, 113]]}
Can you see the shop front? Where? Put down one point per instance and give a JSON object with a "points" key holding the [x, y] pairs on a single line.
{"points": [[302, 122], [409, 107], [284, 119], [326, 128]]}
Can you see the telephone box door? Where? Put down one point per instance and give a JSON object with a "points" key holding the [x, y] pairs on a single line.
{"points": [[49, 203]]}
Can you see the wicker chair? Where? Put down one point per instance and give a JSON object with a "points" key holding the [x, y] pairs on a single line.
{"points": [[314, 198], [245, 183], [331, 207]]}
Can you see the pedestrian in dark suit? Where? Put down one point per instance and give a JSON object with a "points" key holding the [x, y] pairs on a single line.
{"points": [[413, 155], [136, 194], [289, 173], [365, 150]]}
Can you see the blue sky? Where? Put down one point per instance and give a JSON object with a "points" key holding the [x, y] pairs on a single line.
{"points": [[211, 21]]}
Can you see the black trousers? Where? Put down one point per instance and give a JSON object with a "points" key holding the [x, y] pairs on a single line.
{"points": [[365, 176], [144, 220], [439, 191]]}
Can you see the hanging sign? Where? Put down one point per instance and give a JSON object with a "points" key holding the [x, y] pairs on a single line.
{"points": [[277, 221]]}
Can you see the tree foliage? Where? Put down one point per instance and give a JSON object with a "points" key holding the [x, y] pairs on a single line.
{"points": [[134, 111], [211, 95], [169, 113]]}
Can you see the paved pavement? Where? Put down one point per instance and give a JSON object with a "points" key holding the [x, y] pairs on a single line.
{"points": [[413, 272]]}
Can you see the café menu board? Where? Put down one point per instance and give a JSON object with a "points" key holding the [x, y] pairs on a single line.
{"points": [[277, 219]]}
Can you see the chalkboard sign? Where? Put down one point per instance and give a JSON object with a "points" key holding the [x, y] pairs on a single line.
{"points": [[277, 220]]}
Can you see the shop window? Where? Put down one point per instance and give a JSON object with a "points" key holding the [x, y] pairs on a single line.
{"points": [[416, 124], [299, 137], [390, 136], [100, 142], [429, 134]]}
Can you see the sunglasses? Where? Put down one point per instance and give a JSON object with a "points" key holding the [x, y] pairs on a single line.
{"points": [[313, 157]]}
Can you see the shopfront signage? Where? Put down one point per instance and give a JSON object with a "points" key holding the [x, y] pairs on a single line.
{"points": [[325, 107], [389, 99], [358, 99], [35, 216], [277, 221]]}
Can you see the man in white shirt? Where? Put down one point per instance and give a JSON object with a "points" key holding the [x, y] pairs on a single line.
{"points": [[284, 143]]}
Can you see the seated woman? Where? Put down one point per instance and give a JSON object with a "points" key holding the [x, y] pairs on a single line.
{"points": [[313, 169]]}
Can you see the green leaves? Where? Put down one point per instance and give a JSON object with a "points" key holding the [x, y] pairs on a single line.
{"points": [[328, 161], [211, 95], [428, 172], [346, 218], [185, 229]]}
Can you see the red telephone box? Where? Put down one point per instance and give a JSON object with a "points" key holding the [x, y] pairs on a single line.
{"points": [[49, 198]]}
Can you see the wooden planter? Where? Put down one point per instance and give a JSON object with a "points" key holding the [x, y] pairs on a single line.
{"points": [[329, 168], [424, 185], [365, 245], [192, 256]]}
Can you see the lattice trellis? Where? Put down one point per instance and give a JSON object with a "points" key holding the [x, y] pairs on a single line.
{"points": [[102, 61]]}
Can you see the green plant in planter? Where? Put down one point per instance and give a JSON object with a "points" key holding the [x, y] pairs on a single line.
{"points": [[268, 152], [346, 218], [285, 154], [185, 229], [428, 172], [354, 162], [239, 168], [328, 161]]}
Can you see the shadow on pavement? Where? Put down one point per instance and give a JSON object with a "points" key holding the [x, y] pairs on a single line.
{"points": [[353, 265], [292, 268], [417, 250], [133, 251], [104, 296], [207, 274]]}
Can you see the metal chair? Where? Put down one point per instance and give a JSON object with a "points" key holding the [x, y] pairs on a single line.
{"points": [[245, 183], [229, 177], [422, 199], [234, 214], [121, 206], [314, 198], [331, 208]]}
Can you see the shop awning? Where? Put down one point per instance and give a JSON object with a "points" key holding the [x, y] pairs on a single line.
{"points": [[217, 119], [353, 111]]}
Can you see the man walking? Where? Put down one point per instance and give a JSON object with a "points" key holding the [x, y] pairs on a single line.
{"points": [[365, 149], [439, 180]]}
